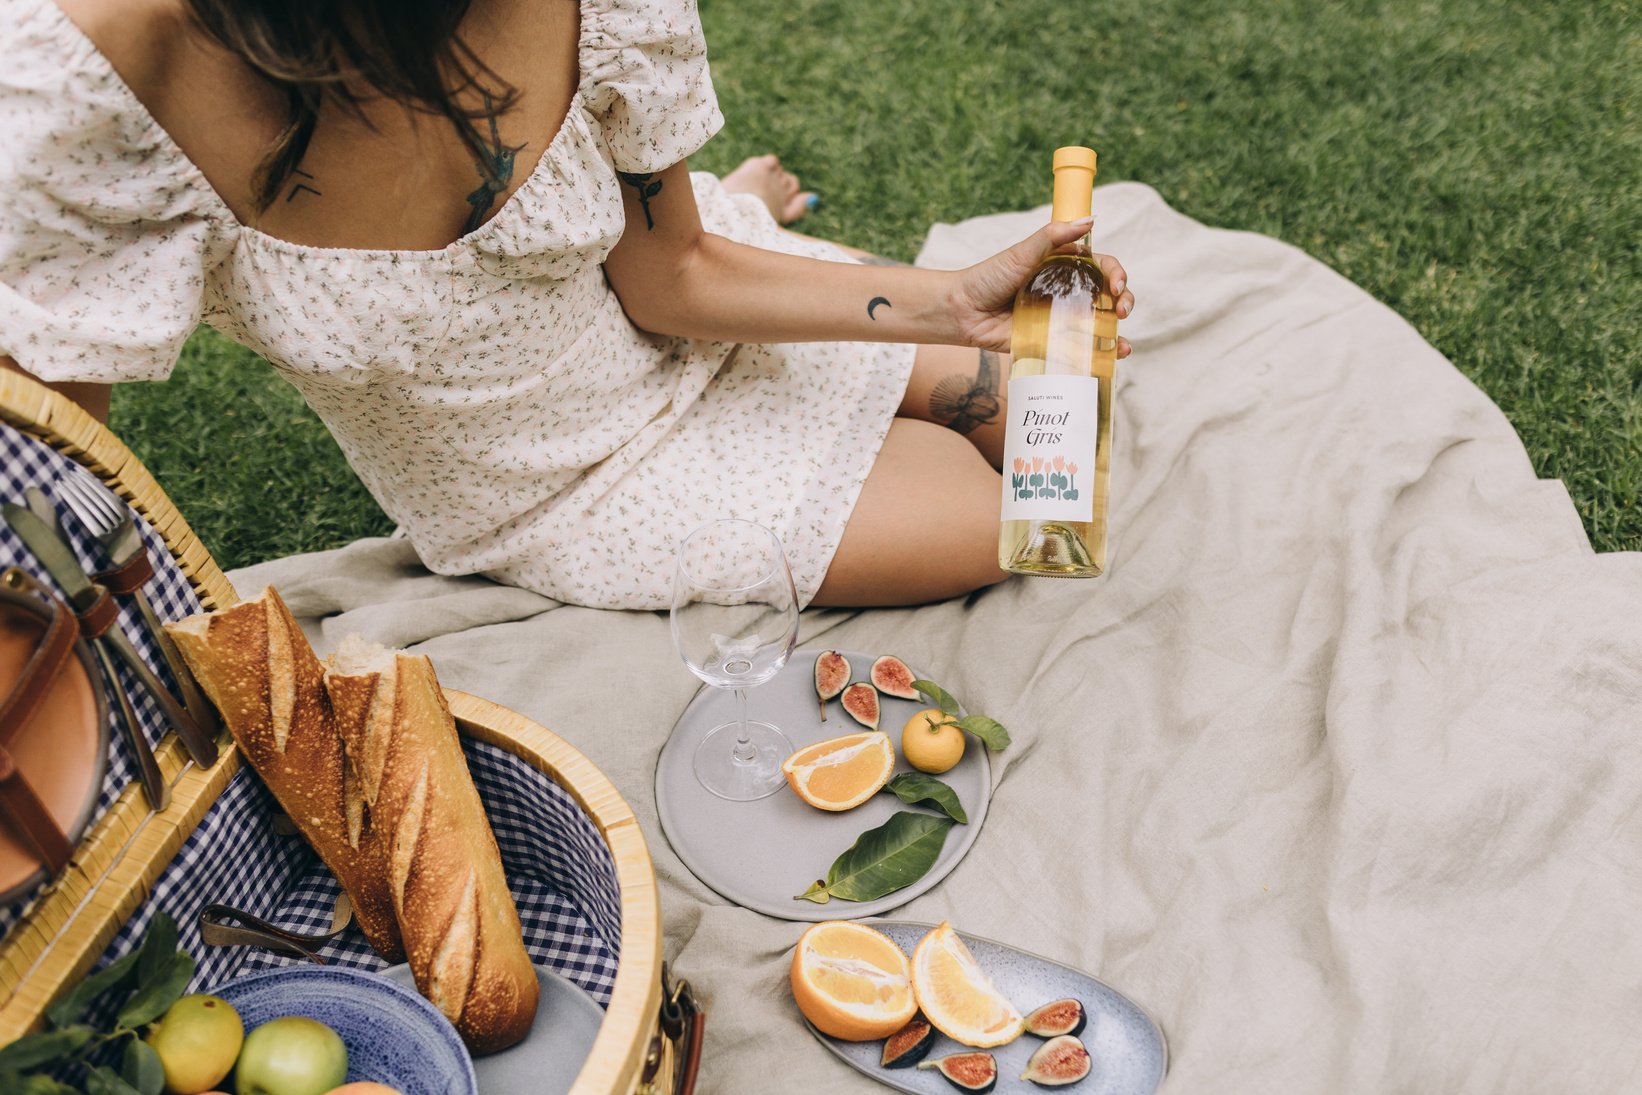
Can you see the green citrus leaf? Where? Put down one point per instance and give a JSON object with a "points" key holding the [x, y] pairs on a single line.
{"points": [[156, 997], [35, 1050], [34, 1085], [895, 855], [915, 787], [154, 956], [141, 1068], [105, 1081], [939, 696], [73, 1004], [816, 893], [990, 731]]}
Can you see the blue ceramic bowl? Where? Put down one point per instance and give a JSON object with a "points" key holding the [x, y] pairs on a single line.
{"points": [[394, 1036]]}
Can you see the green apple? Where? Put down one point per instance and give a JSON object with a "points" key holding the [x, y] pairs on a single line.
{"points": [[197, 1041], [291, 1056]]}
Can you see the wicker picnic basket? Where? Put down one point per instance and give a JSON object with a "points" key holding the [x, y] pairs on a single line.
{"points": [[649, 1040]]}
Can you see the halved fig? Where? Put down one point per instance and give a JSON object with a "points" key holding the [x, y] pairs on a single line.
{"points": [[861, 701], [909, 1045], [832, 673], [1059, 1062], [1056, 1018], [967, 1071], [891, 676]]}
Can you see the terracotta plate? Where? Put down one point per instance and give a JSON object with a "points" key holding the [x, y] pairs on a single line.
{"points": [[62, 749]]}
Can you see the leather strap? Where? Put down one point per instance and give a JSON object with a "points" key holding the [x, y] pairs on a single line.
{"points": [[48, 659], [129, 577], [30, 818], [97, 617], [18, 802]]}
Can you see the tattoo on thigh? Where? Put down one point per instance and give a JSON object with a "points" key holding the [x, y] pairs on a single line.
{"points": [[962, 403], [646, 189], [495, 168], [300, 187]]}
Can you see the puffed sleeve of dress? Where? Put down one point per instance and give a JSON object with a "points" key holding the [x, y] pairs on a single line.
{"points": [[647, 82], [106, 229]]}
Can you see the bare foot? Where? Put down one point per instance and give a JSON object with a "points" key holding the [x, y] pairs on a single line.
{"points": [[763, 178]]}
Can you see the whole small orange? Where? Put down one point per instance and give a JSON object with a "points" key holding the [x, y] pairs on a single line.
{"points": [[932, 742]]}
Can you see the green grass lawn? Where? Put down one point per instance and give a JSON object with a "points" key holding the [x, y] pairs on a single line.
{"points": [[1478, 167]]}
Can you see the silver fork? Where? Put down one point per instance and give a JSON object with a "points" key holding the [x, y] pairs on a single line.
{"points": [[107, 518]]}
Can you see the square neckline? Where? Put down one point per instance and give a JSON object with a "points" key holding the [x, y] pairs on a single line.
{"points": [[219, 211]]}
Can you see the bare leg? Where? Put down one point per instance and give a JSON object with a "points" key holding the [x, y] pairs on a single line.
{"points": [[964, 389], [925, 527]]}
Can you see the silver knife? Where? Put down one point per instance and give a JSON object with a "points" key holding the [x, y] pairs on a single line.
{"points": [[148, 770], [59, 560]]}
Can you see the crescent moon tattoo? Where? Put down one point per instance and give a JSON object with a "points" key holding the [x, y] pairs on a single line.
{"points": [[875, 302]]}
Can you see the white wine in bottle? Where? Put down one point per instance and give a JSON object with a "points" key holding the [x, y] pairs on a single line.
{"points": [[1057, 449]]}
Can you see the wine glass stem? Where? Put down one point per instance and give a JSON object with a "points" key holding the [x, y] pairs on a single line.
{"points": [[743, 753]]}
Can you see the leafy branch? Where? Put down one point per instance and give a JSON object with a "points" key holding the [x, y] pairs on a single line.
{"points": [[153, 977]]}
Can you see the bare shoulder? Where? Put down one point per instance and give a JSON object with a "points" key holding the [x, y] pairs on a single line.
{"points": [[139, 37]]}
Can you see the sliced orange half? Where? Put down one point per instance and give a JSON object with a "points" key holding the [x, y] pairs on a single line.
{"points": [[957, 996], [852, 982], [841, 772]]}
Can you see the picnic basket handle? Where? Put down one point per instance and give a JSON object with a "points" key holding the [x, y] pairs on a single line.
{"points": [[682, 1024]]}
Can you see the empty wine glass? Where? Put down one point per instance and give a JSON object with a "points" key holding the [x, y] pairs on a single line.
{"points": [[735, 619]]}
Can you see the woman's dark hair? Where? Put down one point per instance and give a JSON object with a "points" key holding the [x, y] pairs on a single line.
{"points": [[314, 50]]}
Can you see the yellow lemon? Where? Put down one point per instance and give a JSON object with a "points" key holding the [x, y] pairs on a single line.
{"points": [[929, 746], [197, 1042]]}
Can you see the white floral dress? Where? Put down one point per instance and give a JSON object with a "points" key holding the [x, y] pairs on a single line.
{"points": [[492, 394]]}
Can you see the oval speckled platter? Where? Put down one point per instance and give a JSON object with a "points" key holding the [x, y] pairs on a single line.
{"points": [[759, 854], [1129, 1052]]}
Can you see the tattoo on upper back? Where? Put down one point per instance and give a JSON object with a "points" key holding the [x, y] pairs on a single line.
{"points": [[962, 403], [495, 169], [300, 187], [640, 181]]}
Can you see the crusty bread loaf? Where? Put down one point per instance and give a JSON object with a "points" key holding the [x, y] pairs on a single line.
{"points": [[461, 929], [255, 664]]}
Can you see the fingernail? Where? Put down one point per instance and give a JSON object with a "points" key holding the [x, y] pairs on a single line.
{"points": [[812, 202], [1084, 222]]}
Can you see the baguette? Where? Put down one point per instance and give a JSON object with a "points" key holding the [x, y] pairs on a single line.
{"points": [[256, 666], [460, 926]]}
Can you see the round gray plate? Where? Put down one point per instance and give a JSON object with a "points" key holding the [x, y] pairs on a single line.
{"points": [[552, 1054], [1130, 1055], [759, 854]]}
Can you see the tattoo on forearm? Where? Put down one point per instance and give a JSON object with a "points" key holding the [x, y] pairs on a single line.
{"points": [[874, 303], [647, 190], [300, 187], [879, 260], [495, 168], [962, 403]]}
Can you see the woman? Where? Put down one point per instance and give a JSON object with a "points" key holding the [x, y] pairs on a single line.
{"points": [[546, 374]]}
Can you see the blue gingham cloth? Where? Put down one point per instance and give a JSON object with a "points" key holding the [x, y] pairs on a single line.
{"points": [[557, 863]]}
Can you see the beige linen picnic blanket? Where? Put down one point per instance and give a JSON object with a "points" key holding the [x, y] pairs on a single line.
{"points": [[1338, 771]]}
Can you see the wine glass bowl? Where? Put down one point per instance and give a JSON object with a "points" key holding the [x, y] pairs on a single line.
{"points": [[734, 619]]}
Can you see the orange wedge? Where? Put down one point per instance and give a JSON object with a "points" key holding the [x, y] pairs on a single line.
{"points": [[842, 772], [957, 996], [852, 982]]}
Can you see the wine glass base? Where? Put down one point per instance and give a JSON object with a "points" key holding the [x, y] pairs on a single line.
{"points": [[720, 772]]}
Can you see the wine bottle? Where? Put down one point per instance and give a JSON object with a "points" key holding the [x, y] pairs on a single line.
{"points": [[1057, 449]]}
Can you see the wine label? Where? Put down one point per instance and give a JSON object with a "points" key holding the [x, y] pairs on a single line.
{"points": [[1049, 448]]}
